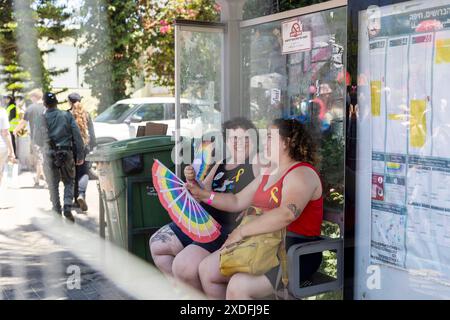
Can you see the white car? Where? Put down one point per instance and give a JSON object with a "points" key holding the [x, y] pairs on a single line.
{"points": [[121, 120]]}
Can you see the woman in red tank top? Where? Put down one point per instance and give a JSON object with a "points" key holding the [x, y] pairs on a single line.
{"points": [[290, 195]]}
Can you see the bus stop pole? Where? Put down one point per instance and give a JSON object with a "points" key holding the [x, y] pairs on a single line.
{"points": [[231, 15]]}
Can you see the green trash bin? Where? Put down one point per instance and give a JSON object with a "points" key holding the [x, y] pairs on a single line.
{"points": [[132, 208]]}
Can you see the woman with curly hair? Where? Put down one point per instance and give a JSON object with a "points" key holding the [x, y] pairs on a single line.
{"points": [[290, 196], [86, 126]]}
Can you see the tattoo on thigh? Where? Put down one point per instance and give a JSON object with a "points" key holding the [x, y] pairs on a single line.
{"points": [[293, 208], [164, 235]]}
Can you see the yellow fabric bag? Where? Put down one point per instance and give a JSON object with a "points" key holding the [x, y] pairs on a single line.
{"points": [[255, 255]]}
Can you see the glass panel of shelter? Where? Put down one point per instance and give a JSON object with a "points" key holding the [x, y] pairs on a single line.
{"points": [[309, 86], [200, 79]]}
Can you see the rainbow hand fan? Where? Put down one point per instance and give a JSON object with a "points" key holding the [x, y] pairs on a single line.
{"points": [[183, 209], [203, 158]]}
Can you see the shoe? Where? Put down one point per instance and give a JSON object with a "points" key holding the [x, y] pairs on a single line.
{"points": [[68, 214], [57, 210], [82, 203]]}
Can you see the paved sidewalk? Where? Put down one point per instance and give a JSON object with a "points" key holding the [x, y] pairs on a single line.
{"points": [[34, 266]]}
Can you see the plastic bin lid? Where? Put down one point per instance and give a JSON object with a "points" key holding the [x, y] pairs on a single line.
{"points": [[124, 148]]}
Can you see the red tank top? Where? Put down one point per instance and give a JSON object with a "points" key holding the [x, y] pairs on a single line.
{"points": [[310, 221]]}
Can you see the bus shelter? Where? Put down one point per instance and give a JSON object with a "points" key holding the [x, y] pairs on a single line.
{"points": [[370, 79]]}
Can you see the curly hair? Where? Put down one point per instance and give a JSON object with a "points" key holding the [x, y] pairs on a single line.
{"points": [[81, 118], [299, 140]]}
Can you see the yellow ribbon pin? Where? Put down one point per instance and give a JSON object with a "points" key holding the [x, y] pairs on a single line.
{"points": [[239, 174], [273, 195]]}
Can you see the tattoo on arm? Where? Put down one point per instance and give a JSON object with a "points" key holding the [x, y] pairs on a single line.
{"points": [[293, 208], [164, 235]]}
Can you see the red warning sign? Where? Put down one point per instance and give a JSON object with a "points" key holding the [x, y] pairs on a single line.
{"points": [[296, 30], [295, 38]]}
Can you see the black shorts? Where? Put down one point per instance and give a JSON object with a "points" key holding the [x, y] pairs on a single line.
{"points": [[309, 263], [210, 246]]}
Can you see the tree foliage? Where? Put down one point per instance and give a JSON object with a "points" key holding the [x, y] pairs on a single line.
{"points": [[23, 24], [125, 40], [112, 36], [52, 24], [11, 70], [160, 36]]}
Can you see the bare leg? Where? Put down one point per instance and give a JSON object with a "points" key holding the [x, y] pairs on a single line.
{"points": [[164, 246], [213, 282], [243, 286], [39, 171], [38, 161], [185, 265]]}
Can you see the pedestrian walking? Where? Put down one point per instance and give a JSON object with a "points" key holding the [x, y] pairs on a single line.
{"points": [[60, 137], [32, 114], [84, 122]]}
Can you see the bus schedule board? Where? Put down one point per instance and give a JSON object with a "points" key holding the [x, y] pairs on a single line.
{"points": [[404, 93]]}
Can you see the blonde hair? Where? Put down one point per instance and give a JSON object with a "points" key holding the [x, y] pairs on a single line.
{"points": [[81, 118], [36, 93]]}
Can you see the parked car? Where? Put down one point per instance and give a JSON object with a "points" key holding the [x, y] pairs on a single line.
{"points": [[121, 120]]}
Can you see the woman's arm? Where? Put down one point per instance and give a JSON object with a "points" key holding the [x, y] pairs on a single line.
{"points": [[227, 201], [299, 187]]}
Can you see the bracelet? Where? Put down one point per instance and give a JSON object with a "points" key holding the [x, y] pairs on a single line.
{"points": [[211, 198]]}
